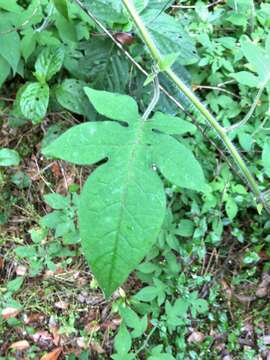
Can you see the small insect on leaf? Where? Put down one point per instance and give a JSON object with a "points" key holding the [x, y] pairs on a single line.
{"points": [[124, 38]]}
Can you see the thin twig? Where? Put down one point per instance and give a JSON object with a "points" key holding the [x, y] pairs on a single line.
{"points": [[251, 110], [218, 88], [46, 21], [155, 98]]}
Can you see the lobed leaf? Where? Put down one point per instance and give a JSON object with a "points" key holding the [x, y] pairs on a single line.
{"points": [[170, 124], [122, 205], [177, 163]]}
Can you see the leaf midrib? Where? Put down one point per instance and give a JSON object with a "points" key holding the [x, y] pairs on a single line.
{"points": [[134, 147]]}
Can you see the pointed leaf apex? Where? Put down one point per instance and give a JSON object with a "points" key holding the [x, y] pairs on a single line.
{"points": [[113, 106]]}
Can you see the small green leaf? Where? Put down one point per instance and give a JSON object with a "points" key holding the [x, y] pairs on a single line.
{"points": [[26, 251], [28, 43], [246, 141], [62, 7], [9, 157], [161, 356], [15, 285], [231, 208], [150, 78], [266, 158], [56, 201], [122, 341], [34, 101], [148, 293], [200, 305], [251, 257], [52, 220], [246, 78], [133, 321], [185, 228], [49, 63]]}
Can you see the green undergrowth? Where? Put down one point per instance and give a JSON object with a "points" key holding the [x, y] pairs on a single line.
{"points": [[201, 292]]}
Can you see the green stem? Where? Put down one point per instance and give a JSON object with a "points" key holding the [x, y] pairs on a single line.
{"points": [[193, 99]]}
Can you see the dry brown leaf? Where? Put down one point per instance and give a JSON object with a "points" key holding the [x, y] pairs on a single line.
{"points": [[10, 312], [53, 355], [56, 170], [266, 340], [20, 345], [196, 337], [42, 337], [97, 348], [56, 337], [61, 305], [33, 318], [81, 343], [263, 287], [245, 298], [1, 263], [21, 270]]}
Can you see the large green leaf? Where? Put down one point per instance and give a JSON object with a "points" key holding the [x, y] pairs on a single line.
{"points": [[258, 59], [4, 70], [109, 11], [97, 61], [169, 35], [170, 124], [9, 44], [122, 205], [11, 6], [34, 101]]}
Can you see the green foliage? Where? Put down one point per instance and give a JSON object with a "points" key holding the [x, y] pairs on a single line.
{"points": [[125, 190], [266, 158], [9, 157], [34, 101], [196, 256], [259, 61], [9, 44]]}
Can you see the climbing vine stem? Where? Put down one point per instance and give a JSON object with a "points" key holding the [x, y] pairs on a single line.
{"points": [[220, 131]]}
